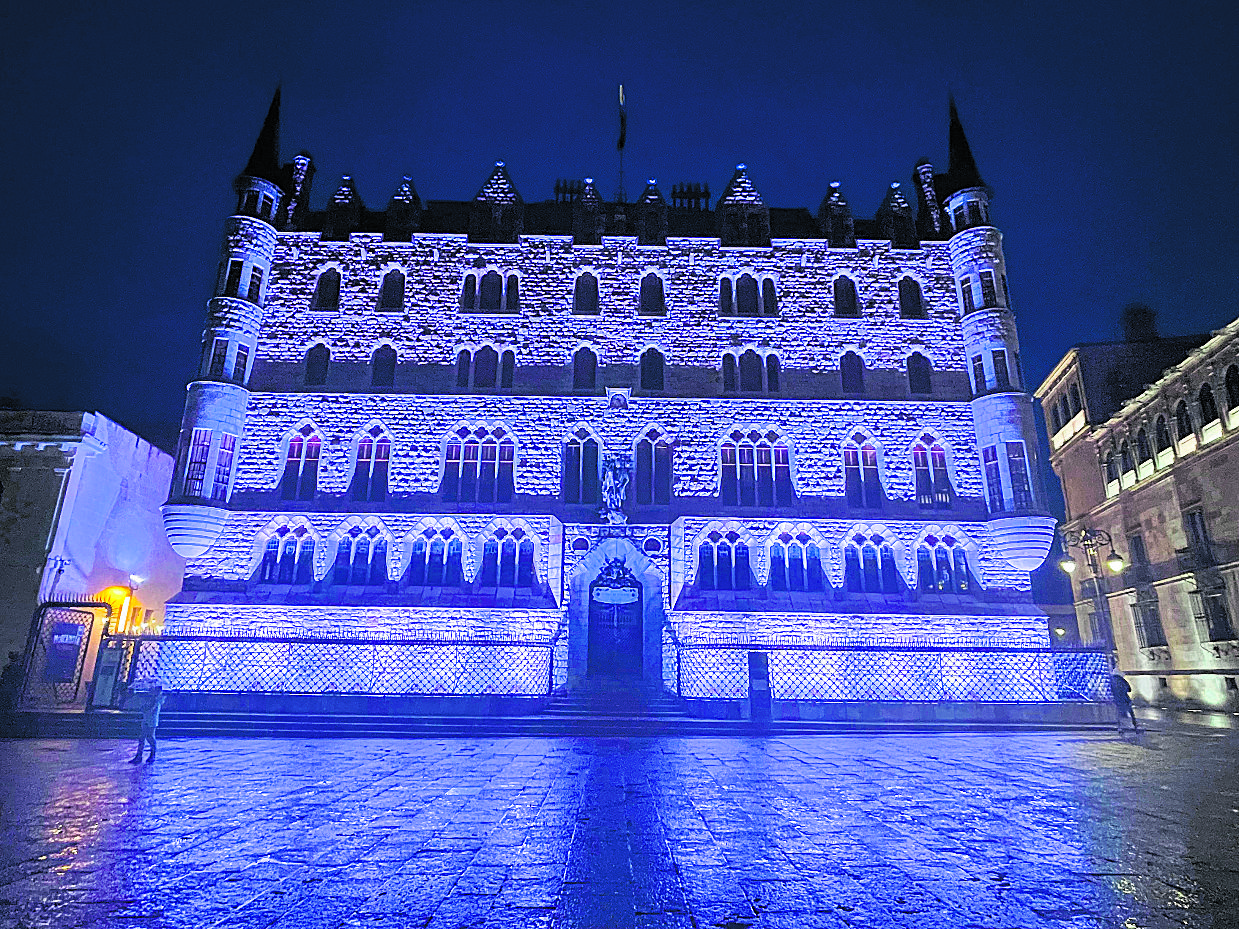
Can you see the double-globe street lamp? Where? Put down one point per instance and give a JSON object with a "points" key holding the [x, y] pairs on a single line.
{"points": [[1091, 542]]}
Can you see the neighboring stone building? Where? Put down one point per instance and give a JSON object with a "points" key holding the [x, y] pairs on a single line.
{"points": [[643, 423], [79, 520], [1142, 434]]}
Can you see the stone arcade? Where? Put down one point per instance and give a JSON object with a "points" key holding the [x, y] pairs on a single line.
{"points": [[627, 429]]}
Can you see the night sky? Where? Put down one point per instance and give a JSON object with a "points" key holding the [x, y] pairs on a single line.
{"points": [[1108, 133]]}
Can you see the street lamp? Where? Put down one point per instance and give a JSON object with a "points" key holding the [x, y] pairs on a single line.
{"points": [[1091, 542]]}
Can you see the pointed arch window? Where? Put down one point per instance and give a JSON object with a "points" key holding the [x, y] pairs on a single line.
{"points": [[585, 296], [1125, 460], [1144, 451], [652, 365], [852, 373], [723, 563], [726, 306], [580, 480], [300, 478], [911, 302], [933, 479], [288, 559], [853, 580], [942, 566], [1161, 434], [796, 564], [435, 560], [1112, 468], [769, 298], [317, 360], [862, 479], [383, 367], [653, 469], [508, 561], [1232, 388], [756, 470], [479, 466], [652, 300], [391, 293], [1183, 419], [845, 298], [326, 297], [370, 473], [361, 559], [920, 374], [1208, 406], [870, 570], [584, 369], [746, 295]]}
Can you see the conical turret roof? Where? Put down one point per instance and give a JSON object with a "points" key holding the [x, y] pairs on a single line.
{"points": [[498, 187], [740, 190], [265, 160]]}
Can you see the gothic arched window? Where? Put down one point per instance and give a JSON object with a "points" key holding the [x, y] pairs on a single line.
{"points": [[512, 296], [361, 559], [584, 369], [585, 296], [795, 564], [756, 470], [890, 573], [1112, 468], [862, 481], [729, 373], [723, 563], [933, 480], [852, 373], [383, 367], [370, 473], [478, 466], [746, 295], [300, 478], [653, 469], [1232, 387], [1161, 434], [508, 560], [852, 578], [911, 304], [1208, 406], [725, 305], [435, 560], [326, 297], [580, 476], [750, 372], [317, 360], [1144, 452], [1183, 419], [652, 301], [919, 374], [845, 298], [652, 364], [391, 294], [769, 299], [469, 292], [490, 292], [485, 368], [1126, 462]]}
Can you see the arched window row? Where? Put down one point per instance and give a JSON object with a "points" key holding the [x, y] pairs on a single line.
{"points": [[360, 558], [942, 566], [479, 466], [747, 295], [751, 371], [723, 563], [490, 292], [1063, 407], [869, 566], [382, 366], [485, 368], [796, 564], [755, 470]]}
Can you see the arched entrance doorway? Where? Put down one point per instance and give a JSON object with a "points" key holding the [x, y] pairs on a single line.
{"points": [[615, 622]]}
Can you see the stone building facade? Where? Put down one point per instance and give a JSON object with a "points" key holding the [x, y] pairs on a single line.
{"points": [[1143, 437], [495, 419]]}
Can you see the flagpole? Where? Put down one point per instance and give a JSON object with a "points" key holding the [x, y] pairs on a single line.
{"points": [[623, 134]]}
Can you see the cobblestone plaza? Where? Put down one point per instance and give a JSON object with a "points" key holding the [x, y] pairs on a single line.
{"points": [[931, 830]]}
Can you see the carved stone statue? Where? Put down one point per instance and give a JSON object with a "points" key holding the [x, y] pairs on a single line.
{"points": [[614, 487]]}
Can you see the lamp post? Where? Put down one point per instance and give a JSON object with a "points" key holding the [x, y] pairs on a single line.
{"points": [[1091, 542]]}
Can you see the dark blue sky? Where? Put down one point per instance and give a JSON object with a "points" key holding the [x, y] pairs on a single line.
{"points": [[1108, 132]]}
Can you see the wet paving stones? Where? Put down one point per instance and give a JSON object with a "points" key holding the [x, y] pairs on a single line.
{"points": [[928, 830]]}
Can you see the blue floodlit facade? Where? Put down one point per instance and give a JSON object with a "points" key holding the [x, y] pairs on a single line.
{"points": [[617, 427]]}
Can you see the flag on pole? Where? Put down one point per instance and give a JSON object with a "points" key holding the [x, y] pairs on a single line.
{"points": [[623, 115]]}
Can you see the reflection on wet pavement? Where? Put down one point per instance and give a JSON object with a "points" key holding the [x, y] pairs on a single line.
{"points": [[925, 831]]}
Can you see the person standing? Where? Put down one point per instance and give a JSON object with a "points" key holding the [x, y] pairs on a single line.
{"points": [[147, 697], [1121, 692]]}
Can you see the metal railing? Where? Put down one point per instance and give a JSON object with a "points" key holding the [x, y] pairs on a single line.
{"points": [[204, 663], [895, 672]]}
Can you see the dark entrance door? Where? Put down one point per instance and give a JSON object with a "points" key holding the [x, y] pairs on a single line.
{"points": [[615, 622]]}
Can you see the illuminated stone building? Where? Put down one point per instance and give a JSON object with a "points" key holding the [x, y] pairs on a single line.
{"points": [[699, 421], [1143, 436]]}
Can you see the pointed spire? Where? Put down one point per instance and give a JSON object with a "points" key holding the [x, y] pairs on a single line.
{"points": [[740, 189], [589, 193], [651, 194], [961, 172], [343, 212], [835, 217], [265, 161], [403, 212], [498, 187], [895, 219]]}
